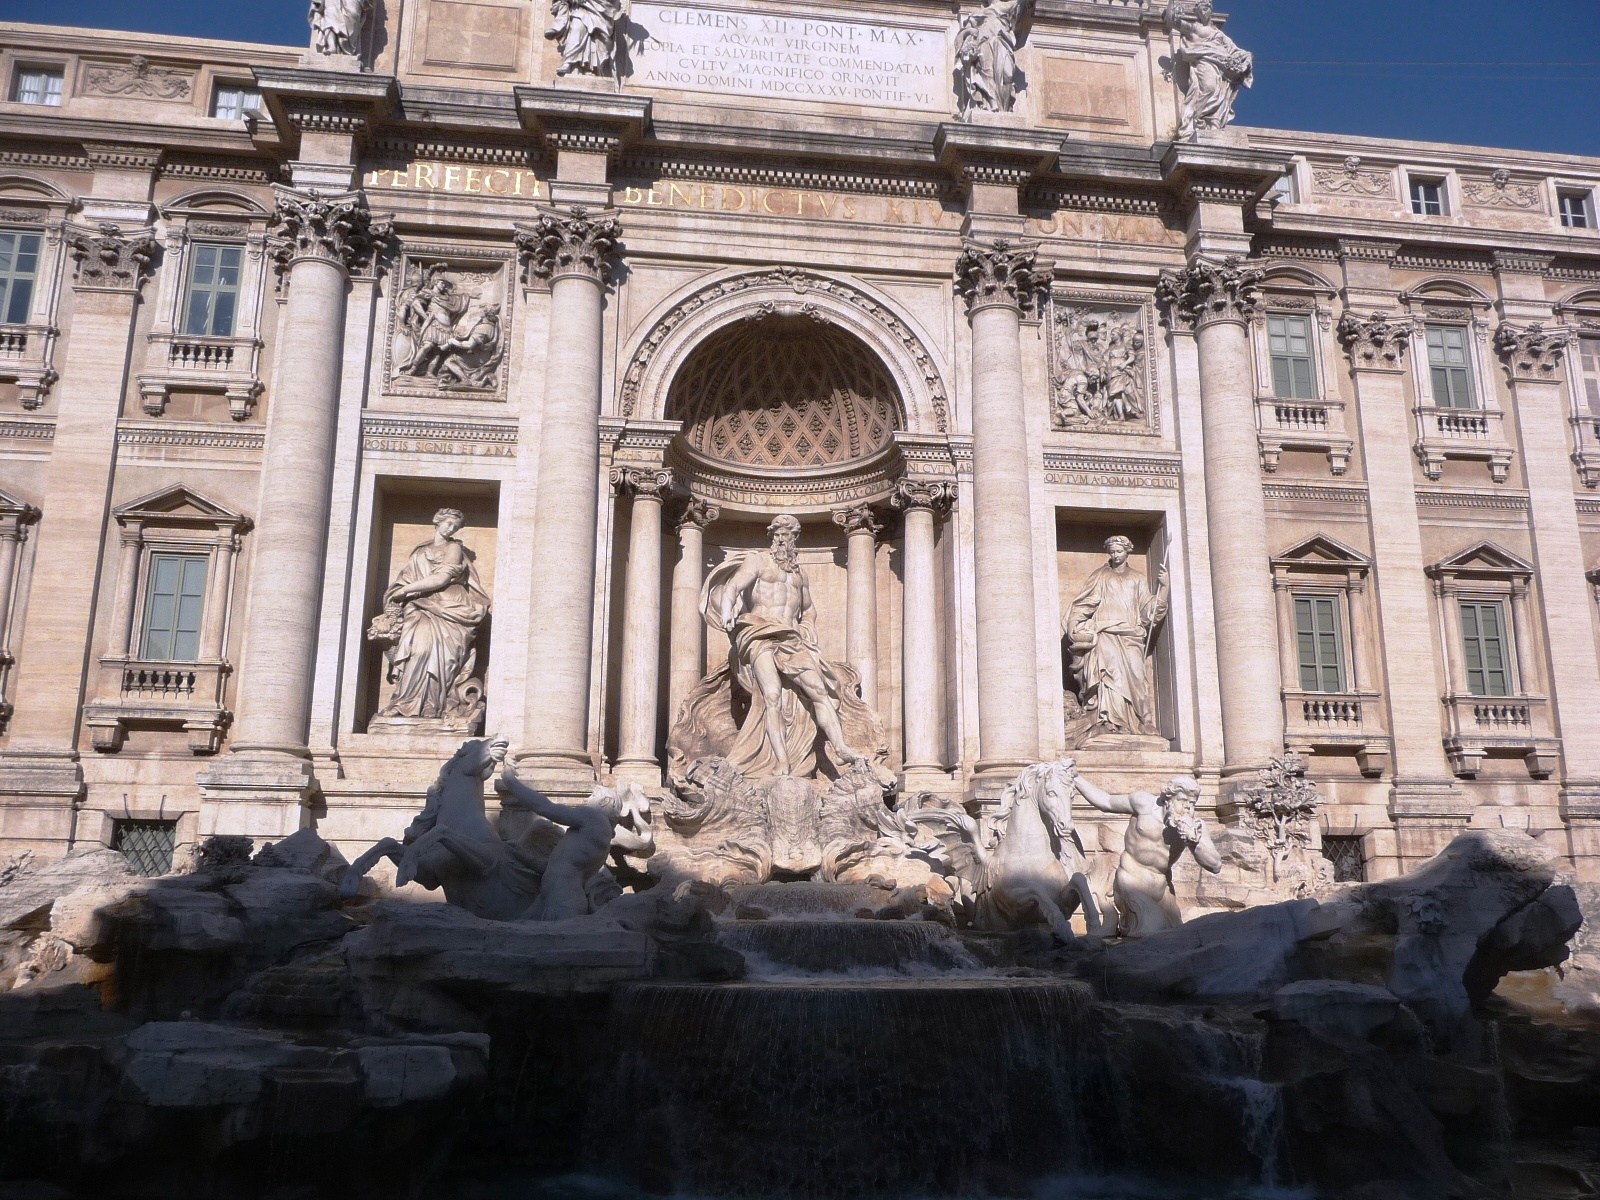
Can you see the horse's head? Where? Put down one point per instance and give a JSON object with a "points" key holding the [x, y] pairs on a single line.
{"points": [[477, 758], [1047, 788]]}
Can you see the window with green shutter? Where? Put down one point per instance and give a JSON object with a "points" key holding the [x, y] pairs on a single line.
{"points": [[19, 270], [1318, 644], [174, 604], [1450, 365], [1294, 372], [1589, 373], [1483, 648], [213, 293]]}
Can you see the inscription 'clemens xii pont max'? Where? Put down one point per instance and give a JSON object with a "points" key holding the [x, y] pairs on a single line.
{"points": [[846, 62]]}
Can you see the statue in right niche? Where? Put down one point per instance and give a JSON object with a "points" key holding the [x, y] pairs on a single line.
{"points": [[1111, 627]]}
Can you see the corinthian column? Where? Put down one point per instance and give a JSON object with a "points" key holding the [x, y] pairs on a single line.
{"points": [[1216, 301], [324, 238], [861, 606], [688, 652], [1423, 793], [921, 501], [1000, 282], [641, 624], [573, 250]]}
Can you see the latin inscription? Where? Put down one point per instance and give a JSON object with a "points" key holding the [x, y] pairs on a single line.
{"points": [[795, 58], [787, 202], [458, 179]]}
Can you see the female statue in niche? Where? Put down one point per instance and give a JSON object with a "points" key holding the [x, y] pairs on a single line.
{"points": [[430, 620], [1112, 624]]}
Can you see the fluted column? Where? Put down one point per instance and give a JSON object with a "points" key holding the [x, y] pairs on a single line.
{"points": [[687, 662], [1217, 300], [861, 605], [921, 501], [325, 237], [14, 520], [216, 612], [641, 622], [573, 250], [1000, 281]]}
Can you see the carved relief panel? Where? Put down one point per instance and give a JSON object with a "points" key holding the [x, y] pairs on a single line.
{"points": [[1102, 372], [449, 325]]}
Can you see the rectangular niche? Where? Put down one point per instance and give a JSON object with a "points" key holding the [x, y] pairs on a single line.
{"points": [[403, 511], [1080, 552]]}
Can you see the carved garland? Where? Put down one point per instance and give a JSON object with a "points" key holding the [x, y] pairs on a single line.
{"points": [[801, 282]]}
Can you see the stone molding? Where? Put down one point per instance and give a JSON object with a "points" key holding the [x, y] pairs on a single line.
{"points": [[421, 435], [1312, 493], [660, 166], [858, 518], [25, 430], [711, 306], [335, 229], [1458, 498], [644, 483], [932, 495], [1532, 353], [1204, 293], [1003, 274], [1368, 250], [221, 170], [567, 243], [1522, 262], [137, 77], [692, 510], [197, 436], [1375, 343], [66, 158], [1079, 469], [110, 259], [115, 157]]}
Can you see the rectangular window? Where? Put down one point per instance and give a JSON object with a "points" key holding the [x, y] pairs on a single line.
{"points": [[1450, 366], [19, 270], [1483, 647], [233, 100], [1575, 210], [1318, 644], [36, 86], [1348, 857], [212, 297], [1589, 374], [1427, 197], [147, 845], [173, 606], [1294, 373]]}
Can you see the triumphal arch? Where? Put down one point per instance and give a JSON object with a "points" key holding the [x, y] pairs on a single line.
{"points": [[777, 400]]}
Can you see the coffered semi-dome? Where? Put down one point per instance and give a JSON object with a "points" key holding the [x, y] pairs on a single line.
{"points": [[787, 393]]}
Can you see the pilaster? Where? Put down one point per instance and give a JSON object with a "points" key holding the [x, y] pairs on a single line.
{"points": [[923, 502]]}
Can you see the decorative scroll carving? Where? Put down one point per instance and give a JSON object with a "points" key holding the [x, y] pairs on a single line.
{"points": [[1351, 180], [641, 481], [447, 332], [334, 228], [1099, 368], [1532, 351], [697, 512], [858, 519], [109, 258], [936, 496], [570, 243], [986, 57], [1003, 273], [337, 26], [1499, 192], [589, 36], [1208, 65], [137, 77], [1377, 342], [1204, 292]]}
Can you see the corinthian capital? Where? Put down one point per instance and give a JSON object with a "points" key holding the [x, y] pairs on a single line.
{"points": [[1003, 273], [333, 228], [931, 495], [858, 519], [649, 483], [1375, 343], [110, 259], [570, 243], [1532, 351], [1204, 292], [697, 512]]}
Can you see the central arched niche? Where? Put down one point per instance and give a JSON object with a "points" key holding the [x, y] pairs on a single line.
{"points": [[786, 409]]}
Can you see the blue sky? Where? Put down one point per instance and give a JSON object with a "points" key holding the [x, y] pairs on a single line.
{"points": [[1516, 73]]}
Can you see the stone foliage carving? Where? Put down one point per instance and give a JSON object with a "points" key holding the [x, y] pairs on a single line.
{"points": [[986, 58], [1208, 65], [589, 34], [429, 628], [447, 329], [1352, 180], [1378, 342], [641, 481], [697, 512], [936, 496], [858, 519], [110, 258], [570, 243], [1532, 351], [1498, 191], [1110, 627], [1003, 273], [1161, 828], [337, 26], [1099, 368], [1206, 291], [1280, 809], [334, 228], [138, 77]]}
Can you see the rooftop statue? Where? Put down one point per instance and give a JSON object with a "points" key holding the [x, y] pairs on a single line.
{"points": [[589, 35], [986, 57], [337, 26], [1209, 66]]}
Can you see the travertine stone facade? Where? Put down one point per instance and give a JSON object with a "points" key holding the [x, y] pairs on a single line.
{"points": [[971, 295]]}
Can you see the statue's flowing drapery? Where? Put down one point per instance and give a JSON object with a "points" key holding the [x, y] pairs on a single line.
{"points": [[435, 654], [1110, 624], [1217, 70]]}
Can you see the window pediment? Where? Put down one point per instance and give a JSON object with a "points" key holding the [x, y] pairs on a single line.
{"points": [[1321, 551], [1485, 560], [179, 505]]}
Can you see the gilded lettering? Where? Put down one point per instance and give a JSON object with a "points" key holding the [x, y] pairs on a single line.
{"points": [[452, 178], [653, 199], [474, 181], [488, 182], [632, 195], [675, 192], [424, 172], [727, 193]]}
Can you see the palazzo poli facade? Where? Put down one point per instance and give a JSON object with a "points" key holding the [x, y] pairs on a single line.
{"points": [[358, 400]]}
